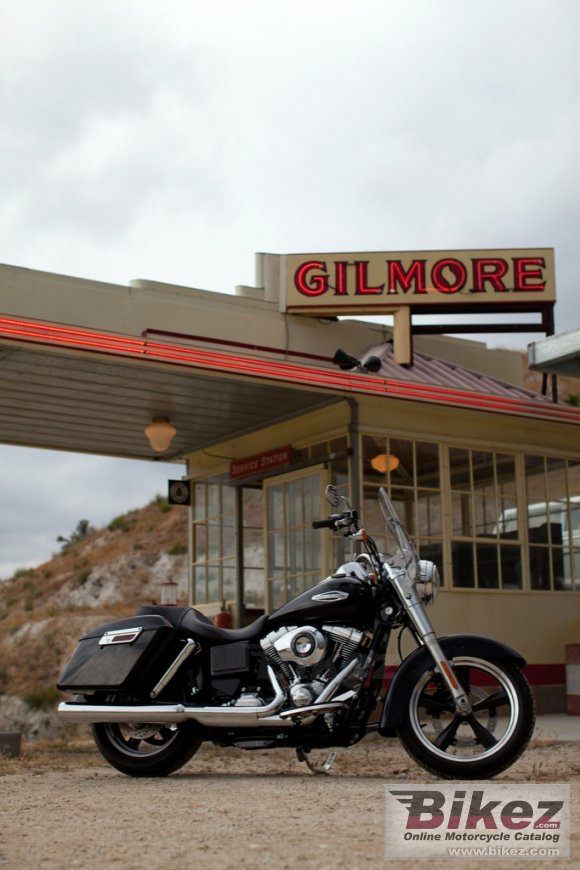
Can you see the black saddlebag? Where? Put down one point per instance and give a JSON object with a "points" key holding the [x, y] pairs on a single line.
{"points": [[120, 656]]}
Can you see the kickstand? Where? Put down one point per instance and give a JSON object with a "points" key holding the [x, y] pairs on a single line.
{"points": [[302, 755]]}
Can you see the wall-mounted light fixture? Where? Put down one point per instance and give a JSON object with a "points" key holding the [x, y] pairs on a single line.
{"points": [[160, 433], [384, 462]]}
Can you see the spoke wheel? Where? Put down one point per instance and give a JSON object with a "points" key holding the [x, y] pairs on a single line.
{"points": [[145, 749], [484, 742]]}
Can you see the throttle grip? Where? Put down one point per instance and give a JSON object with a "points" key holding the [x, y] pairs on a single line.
{"points": [[324, 524]]}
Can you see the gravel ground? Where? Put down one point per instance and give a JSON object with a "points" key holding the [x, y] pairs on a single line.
{"points": [[64, 807]]}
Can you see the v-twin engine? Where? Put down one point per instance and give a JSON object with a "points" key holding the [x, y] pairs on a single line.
{"points": [[310, 659]]}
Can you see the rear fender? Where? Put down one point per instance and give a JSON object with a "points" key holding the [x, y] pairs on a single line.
{"points": [[408, 673]]}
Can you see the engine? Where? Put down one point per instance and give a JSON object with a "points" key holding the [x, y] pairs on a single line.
{"points": [[310, 658]]}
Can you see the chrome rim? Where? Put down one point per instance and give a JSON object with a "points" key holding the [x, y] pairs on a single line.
{"points": [[490, 725]]}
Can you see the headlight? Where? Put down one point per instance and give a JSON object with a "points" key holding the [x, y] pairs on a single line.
{"points": [[427, 581]]}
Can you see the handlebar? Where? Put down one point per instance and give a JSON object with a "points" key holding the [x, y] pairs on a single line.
{"points": [[347, 519], [325, 524]]}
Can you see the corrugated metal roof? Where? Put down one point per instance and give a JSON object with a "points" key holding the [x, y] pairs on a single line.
{"points": [[429, 370]]}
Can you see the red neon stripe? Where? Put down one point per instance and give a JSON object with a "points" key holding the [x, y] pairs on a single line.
{"points": [[185, 336], [108, 343], [46, 338], [266, 368], [28, 327]]}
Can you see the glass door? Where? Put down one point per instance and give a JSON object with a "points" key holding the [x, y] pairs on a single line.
{"points": [[296, 554]]}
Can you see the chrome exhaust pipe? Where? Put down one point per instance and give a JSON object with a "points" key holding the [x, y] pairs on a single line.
{"points": [[73, 711], [172, 713]]}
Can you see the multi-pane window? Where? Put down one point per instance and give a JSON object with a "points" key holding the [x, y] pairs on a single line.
{"points": [[410, 471], [553, 523], [294, 548], [511, 521], [490, 519], [294, 551], [252, 530], [485, 549], [213, 540]]}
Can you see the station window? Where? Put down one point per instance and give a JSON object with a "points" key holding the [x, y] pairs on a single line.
{"points": [[481, 541], [294, 550], [485, 544], [553, 523], [213, 540], [410, 472]]}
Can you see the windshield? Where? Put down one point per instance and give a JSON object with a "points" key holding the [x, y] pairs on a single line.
{"points": [[400, 549]]}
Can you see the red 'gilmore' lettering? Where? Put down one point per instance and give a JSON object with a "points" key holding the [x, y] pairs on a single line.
{"points": [[415, 274], [362, 287], [458, 271], [487, 275], [489, 270], [340, 278], [527, 269], [311, 285]]}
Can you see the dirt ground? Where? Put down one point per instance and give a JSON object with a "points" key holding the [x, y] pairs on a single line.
{"points": [[64, 807]]}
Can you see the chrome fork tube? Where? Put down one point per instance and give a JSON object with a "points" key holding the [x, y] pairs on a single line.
{"points": [[416, 611]]}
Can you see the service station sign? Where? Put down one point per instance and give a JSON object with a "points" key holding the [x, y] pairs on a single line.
{"points": [[377, 283]]}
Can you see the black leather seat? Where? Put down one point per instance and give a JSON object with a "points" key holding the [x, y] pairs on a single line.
{"points": [[193, 622]]}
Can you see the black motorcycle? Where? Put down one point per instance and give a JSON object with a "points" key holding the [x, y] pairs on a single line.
{"points": [[310, 675]]}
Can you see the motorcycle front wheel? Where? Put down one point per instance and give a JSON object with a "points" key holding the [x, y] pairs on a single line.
{"points": [[481, 744], [146, 749]]}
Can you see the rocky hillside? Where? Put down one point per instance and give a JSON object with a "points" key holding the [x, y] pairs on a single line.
{"points": [[99, 576]]}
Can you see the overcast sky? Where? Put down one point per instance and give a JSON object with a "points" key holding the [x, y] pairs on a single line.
{"points": [[171, 139]]}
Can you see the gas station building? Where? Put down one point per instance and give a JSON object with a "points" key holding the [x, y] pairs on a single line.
{"points": [[260, 413]]}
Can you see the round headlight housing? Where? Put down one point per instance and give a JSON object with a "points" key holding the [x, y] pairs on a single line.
{"points": [[427, 581]]}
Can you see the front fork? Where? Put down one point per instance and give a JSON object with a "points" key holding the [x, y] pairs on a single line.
{"points": [[426, 635]]}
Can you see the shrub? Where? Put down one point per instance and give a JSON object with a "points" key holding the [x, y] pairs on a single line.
{"points": [[120, 524], [162, 504], [83, 528], [42, 697], [178, 549]]}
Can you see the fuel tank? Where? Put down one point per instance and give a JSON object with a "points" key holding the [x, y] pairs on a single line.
{"points": [[342, 597]]}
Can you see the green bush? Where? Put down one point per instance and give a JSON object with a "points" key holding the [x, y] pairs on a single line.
{"points": [[82, 529], [120, 524], [162, 504], [42, 697], [178, 549]]}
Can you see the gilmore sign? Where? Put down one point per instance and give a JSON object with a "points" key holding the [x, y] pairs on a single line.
{"points": [[379, 282]]}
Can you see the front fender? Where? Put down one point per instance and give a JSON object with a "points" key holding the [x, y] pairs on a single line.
{"points": [[407, 674]]}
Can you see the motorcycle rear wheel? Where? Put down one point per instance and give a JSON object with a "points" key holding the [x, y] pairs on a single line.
{"points": [[477, 746], [146, 749]]}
